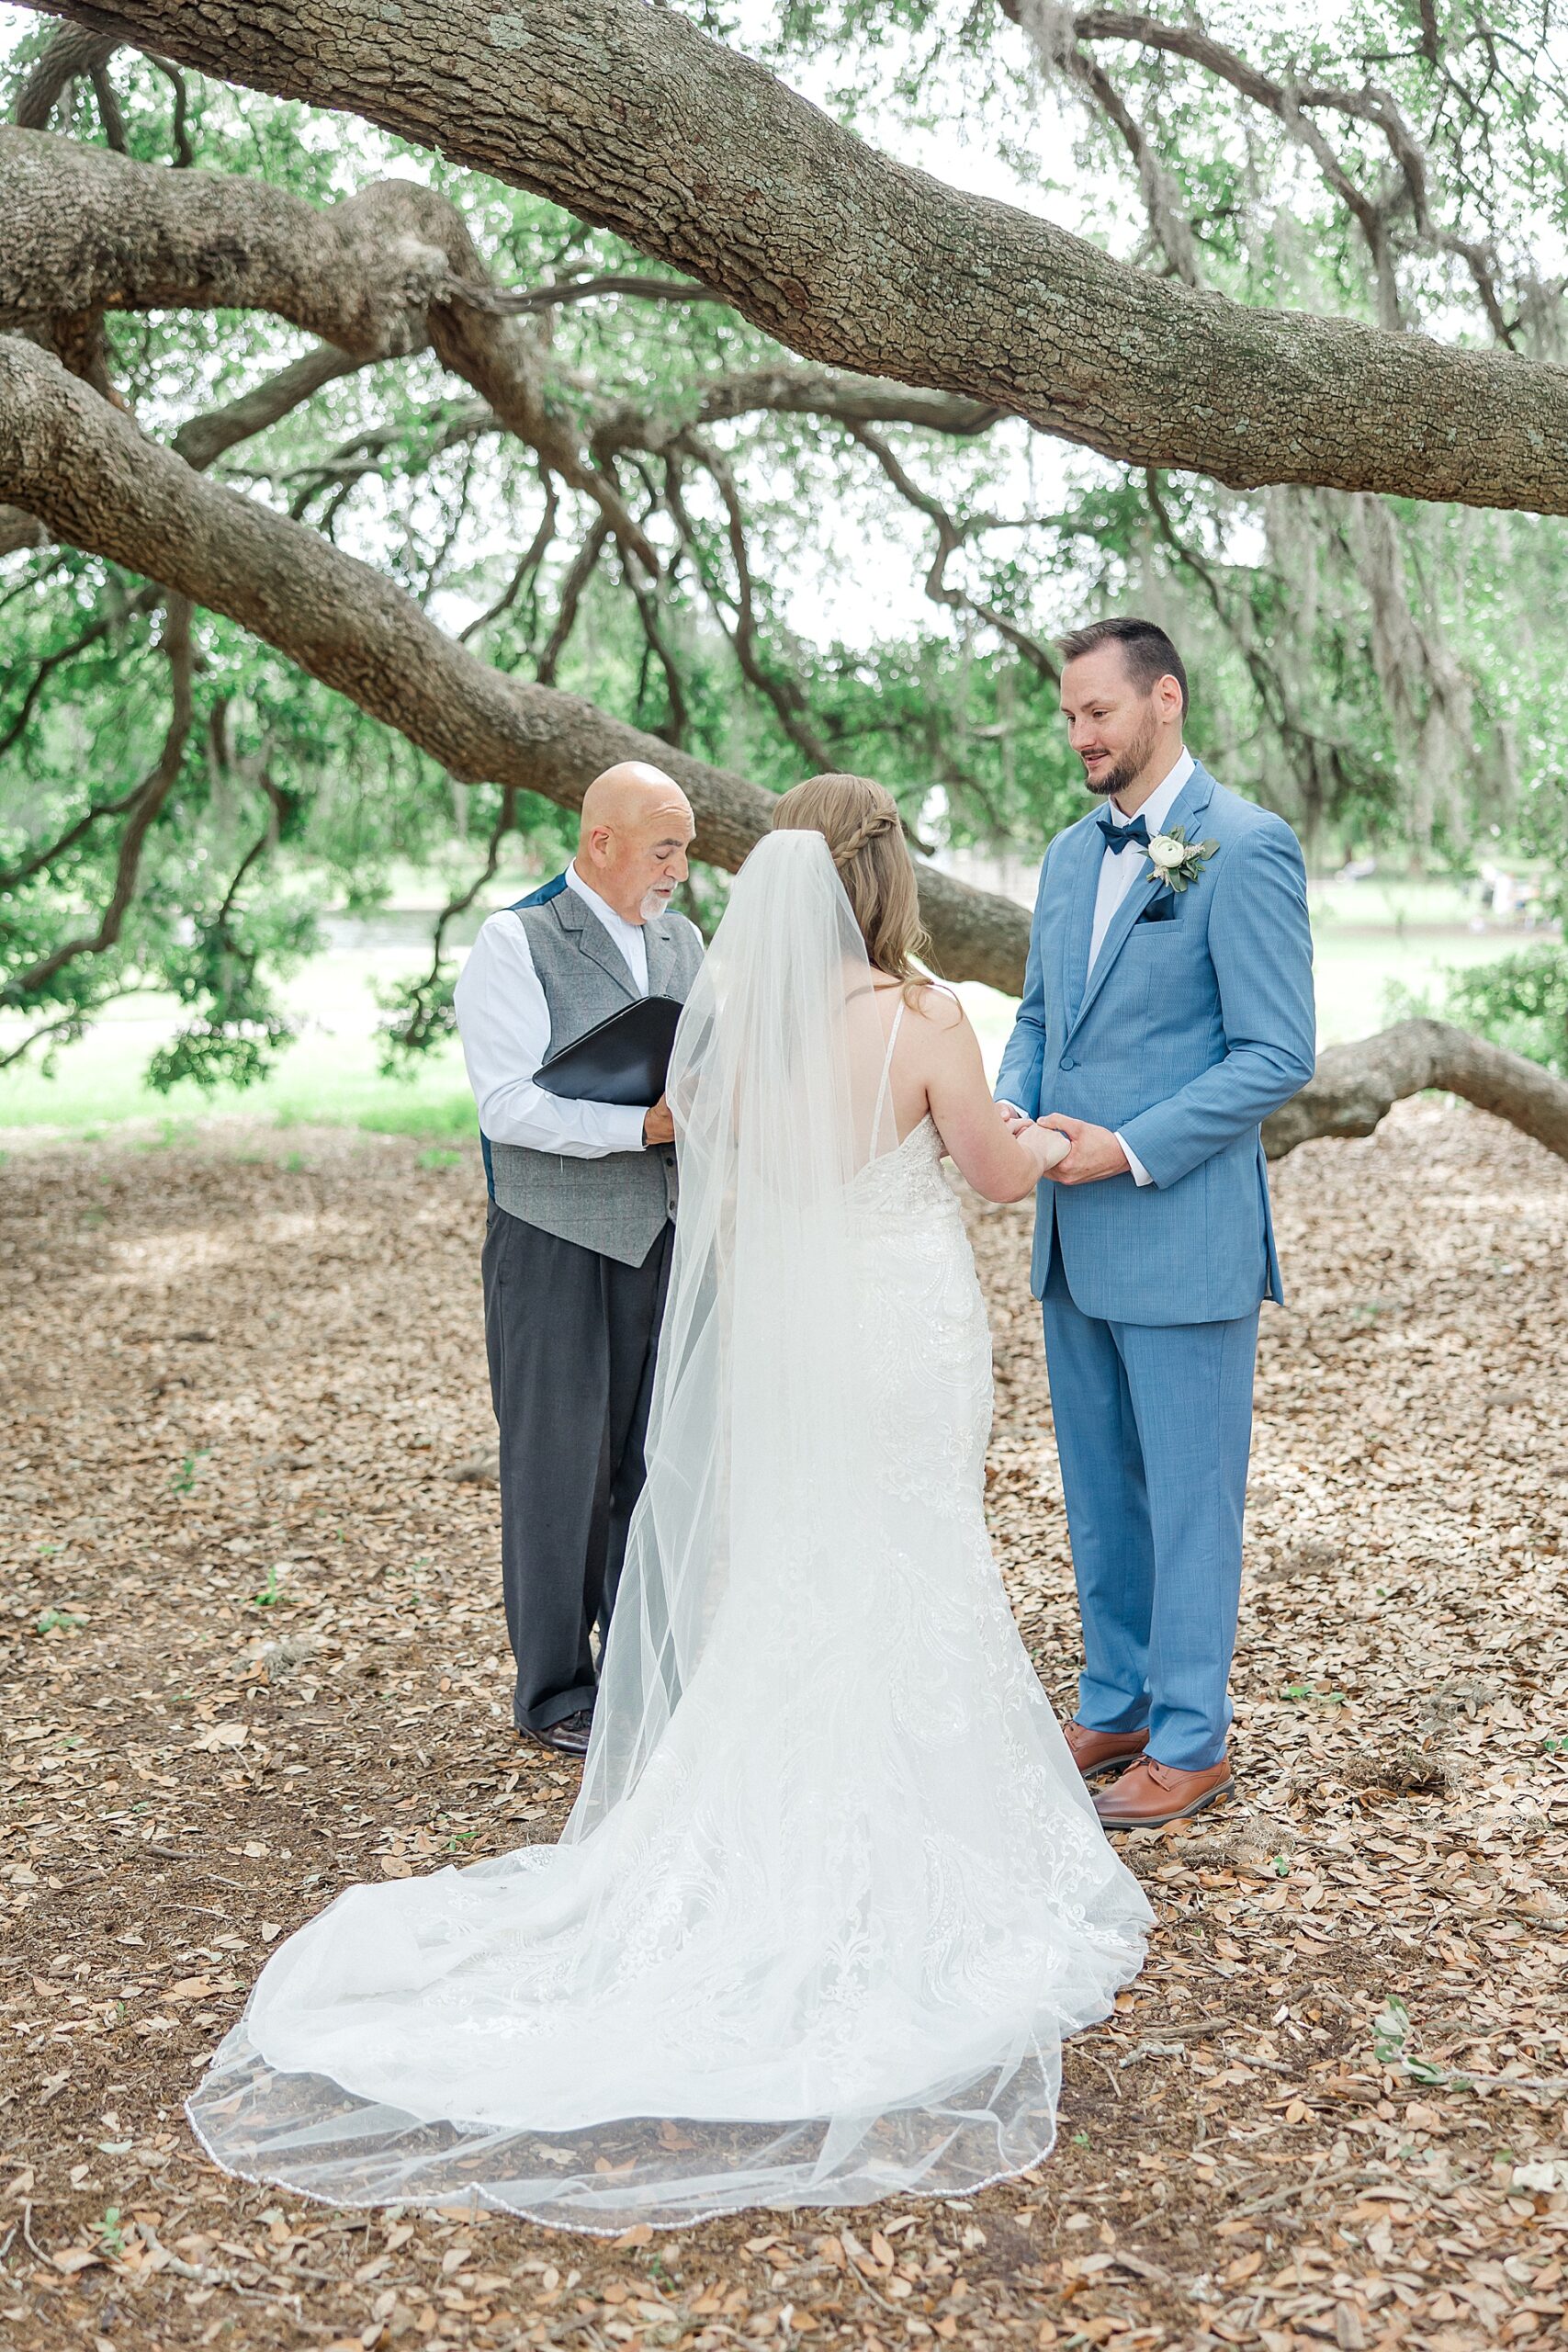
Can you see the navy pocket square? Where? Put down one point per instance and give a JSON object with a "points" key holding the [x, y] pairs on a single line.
{"points": [[1160, 910]]}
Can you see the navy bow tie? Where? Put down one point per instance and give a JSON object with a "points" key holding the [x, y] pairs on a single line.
{"points": [[1118, 836]]}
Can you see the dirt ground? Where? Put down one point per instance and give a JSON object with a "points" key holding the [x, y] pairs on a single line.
{"points": [[252, 1627]]}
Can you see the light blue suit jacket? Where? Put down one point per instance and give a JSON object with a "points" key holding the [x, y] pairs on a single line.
{"points": [[1186, 1033]]}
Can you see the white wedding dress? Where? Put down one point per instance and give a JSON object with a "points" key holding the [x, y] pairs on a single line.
{"points": [[833, 1891]]}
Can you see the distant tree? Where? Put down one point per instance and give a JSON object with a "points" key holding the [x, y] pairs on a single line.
{"points": [[357, 516]]}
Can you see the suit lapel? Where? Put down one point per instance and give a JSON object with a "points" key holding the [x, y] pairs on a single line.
{"points": [[1111, 946], [1078, 930], [1190, 801], [593, 939]]}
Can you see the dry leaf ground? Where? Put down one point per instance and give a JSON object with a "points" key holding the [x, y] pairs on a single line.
{"points": [[254, 1652]]}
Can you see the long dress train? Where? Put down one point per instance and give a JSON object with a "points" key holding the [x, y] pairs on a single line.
{"points": [[833, 1891]]}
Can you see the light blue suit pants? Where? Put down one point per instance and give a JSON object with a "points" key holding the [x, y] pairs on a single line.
{"points": [[1154, 1426]]}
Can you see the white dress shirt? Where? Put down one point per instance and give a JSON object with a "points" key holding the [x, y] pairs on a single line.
{"points": [[505, 1024], [1118, 872], [1118, 869]]}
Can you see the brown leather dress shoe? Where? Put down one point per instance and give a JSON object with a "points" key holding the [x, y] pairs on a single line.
{"points": [[1150, 1792], [1095, 1751], [567, 1738]]}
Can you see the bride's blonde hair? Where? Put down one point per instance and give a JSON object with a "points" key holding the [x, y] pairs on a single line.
{"points": [[860, 822]]}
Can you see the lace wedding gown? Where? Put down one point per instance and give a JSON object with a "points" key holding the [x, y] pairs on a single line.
{"points": [[833, 1891]]}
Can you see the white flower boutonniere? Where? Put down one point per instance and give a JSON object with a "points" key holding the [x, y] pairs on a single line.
{"points": [[1177, 860]]}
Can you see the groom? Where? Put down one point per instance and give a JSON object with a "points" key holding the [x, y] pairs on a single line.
{"points": [[1168, 1009]]}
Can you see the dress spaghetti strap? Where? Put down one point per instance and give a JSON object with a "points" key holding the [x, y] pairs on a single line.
{"points": [[886, 1076]]}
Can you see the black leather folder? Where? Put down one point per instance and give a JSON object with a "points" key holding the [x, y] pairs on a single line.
{"points": [[625, 1059]]}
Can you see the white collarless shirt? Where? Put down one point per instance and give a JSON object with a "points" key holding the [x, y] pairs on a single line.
{"points": [[505, 1024], [1118, 869]]}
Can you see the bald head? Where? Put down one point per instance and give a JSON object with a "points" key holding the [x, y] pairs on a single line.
{"points": [[631, 846]]}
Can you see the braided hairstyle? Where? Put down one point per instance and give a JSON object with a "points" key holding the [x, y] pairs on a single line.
{"points": [[860, 822]]}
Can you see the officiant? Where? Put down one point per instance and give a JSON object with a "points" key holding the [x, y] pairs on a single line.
{"points": [[578, 1239]]}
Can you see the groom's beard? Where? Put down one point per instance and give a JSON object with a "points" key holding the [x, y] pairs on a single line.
{"points": [[1129, 768]]}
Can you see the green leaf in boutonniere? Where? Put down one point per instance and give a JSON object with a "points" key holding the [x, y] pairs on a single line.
{"points": [[1176, 859]]}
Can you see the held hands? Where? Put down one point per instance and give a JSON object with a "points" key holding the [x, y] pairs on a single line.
{"points": [[1045, 1148], [658, 1126], [1092, 1153]]}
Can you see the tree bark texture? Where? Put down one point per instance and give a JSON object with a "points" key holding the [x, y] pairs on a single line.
{"points": [[73, 52], [86, 472], [88, 475], [380, 275], [92, 479], [631, 117], [1354, 1086]]}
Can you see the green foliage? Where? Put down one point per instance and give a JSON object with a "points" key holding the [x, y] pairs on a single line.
{"points": [[1521, 1002], [183, 1479], [1407, 692], [57, 1620]]}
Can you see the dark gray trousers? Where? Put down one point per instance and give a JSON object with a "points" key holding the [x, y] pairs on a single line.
{"points": [[571, 1338]]}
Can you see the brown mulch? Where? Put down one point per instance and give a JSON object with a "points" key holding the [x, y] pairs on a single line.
{"points": [[255, 1652]]}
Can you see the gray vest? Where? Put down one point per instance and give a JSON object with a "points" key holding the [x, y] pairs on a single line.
{"points": [[620, 1204]]}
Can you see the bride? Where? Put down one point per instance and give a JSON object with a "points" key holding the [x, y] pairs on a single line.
{"points": [[832, 1891]]}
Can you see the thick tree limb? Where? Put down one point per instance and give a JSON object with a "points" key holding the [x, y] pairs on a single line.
{"points": [[381, 274], [634, 120], [204, 438], [1356, 1085], [18, 530], [96, 483], [72, 52]]}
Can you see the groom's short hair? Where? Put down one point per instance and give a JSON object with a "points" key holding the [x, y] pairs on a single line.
{"points": [[1146, 648]]}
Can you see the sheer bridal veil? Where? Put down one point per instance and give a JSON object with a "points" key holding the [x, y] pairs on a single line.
{"points": [[756, 1450], [831, 1890]]}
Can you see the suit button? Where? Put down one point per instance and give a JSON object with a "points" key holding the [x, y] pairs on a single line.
{"points": [[1069, 1061]]}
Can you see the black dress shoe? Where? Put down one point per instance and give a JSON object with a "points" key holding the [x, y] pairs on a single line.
{"points": [[567, 1738]]}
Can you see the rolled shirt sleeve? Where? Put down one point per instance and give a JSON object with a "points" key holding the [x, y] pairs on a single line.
{"points": [[505, 1024]]}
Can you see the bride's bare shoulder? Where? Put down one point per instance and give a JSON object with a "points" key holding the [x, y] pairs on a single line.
{"points": [[938, 1004], [938, 1013]]}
